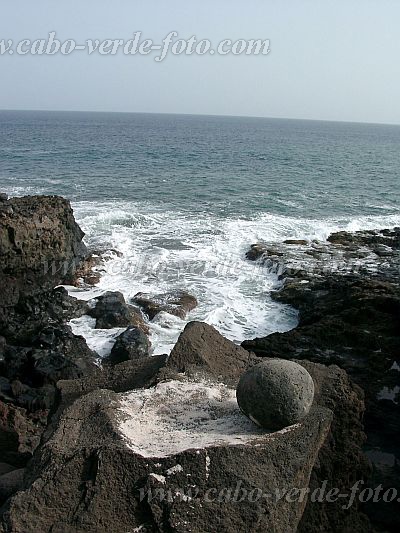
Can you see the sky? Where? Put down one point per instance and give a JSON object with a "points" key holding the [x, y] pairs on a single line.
{"points": [[328, 60]]}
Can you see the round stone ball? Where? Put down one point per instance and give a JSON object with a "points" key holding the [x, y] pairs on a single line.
{"points": [[275, 393]]}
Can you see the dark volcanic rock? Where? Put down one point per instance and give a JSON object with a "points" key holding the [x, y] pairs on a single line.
{"points": [[177, 303], [40, 246], [22, 323], [56, 354], [297, 242], [351, 317], [275, 393], [131, 344], [111, 311], [90, 270], [201, 347], [91, 475], [20, 433], [256, 251]]}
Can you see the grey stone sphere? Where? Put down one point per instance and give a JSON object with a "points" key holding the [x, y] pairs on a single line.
{"points": [[275, 393]]}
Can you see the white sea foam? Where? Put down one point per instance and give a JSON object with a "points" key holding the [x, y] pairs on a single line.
{"points": [[167, 250]]}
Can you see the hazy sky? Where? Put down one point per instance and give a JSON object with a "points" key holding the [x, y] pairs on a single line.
{"points": [[335, 60]]}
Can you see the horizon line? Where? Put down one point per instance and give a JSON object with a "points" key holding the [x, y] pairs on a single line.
{"points": [[201, 115]]}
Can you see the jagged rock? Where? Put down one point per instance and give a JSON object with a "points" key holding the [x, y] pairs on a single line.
{"points": [[80, 467], [33, 399], [123, 377], [19, 433], [111, 311], [5, 389], [6, 468], [3, 197], [351, 319], [131, 344], [275, 393], [60, 355], [40, 245], [56, 354], [22, 323], [202, 347], [177, 303], [108, 450]]}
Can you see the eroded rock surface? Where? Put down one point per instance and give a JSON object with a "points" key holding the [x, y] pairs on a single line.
{"points": [[348, 296], [99, 469], [40, 247], [177, 303]]}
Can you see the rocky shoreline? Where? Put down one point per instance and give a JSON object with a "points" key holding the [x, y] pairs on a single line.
{"points": [[80, 442]]}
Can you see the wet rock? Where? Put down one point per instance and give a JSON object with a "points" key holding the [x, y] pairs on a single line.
{"points": [[275, 393], [3, 197], [383, 250], [131, 344], [298, 242], [111, 311], [177, 303], [256, 251], [202, 347]]}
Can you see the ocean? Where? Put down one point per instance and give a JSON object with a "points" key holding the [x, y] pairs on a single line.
{"points": [[183, 197]]}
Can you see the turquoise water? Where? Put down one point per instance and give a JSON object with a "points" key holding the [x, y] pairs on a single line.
{"points": [[183, 197]]}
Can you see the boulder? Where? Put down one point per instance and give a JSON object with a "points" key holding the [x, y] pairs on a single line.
{"points": [[135, 461], [275, 393], [169, 457], [177, 303], [111, 311], [131, 344], [201, 347]]}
